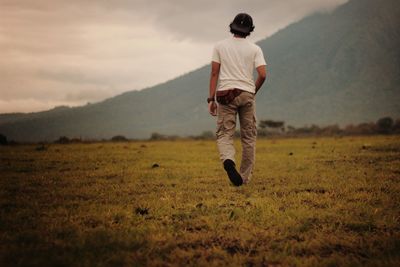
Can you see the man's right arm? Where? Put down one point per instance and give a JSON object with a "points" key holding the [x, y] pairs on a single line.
{"points": [[212, 106], [262, 75], [214, 78]]}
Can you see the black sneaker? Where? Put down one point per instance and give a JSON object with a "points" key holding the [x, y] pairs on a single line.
{"points": [[233, 174]]}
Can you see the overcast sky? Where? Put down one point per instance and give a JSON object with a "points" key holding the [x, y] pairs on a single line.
{"points": [[56, 52]]}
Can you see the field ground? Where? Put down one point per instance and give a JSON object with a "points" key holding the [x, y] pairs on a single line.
{"points": [[312, 202]]}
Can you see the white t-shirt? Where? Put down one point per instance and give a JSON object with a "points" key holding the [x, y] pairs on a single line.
{"points": [[238, 58]]}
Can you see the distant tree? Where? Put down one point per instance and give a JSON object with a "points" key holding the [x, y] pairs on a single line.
{"points": [[396, 126], [314, 129], [331, 130], [3, 140], [291, 128], [367, 128], [157, 136], [207, 135], [172, 137], [262, 132], [308, 130], [361, 129], [271, 124], [350, 129], [385, 125], [270, 127], [119, 138], [63, 140]]}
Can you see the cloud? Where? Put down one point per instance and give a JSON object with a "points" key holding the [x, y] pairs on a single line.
{"points": [[208, 20], [63, 52]]}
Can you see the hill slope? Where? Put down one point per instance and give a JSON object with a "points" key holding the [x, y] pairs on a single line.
{"points": [[342, 67], [339, 68]]}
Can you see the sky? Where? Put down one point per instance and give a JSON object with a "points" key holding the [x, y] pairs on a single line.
{"points": [[56, 52]]}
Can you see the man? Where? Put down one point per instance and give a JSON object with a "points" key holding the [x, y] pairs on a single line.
{"points": [[232, 67]]}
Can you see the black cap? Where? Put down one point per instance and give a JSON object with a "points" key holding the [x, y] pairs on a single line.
{"points": [[242, 23]]}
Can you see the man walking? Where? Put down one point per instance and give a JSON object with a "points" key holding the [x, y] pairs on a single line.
{"points": [[232, 67]]}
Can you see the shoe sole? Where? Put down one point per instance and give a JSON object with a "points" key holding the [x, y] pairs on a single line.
{"points": [[234, 176]]}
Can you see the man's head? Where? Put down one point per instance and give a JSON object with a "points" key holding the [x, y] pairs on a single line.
{"points": [[242, 25]]}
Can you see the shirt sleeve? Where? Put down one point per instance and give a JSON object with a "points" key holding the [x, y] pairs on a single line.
{"points": [[259, 58], [215, 55]]}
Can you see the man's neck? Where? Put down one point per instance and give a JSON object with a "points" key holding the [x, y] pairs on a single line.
{"points": [[238, 36]]}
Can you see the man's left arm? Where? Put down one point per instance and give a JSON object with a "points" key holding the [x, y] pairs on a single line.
{"points": [[262, 75], [260, 65]]}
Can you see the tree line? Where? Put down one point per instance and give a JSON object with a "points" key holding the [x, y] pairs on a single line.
{"points": [[266, 128], [385, 125], [272, 128]]}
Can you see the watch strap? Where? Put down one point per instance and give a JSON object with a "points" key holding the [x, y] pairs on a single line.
{"points": [[210, 99]]}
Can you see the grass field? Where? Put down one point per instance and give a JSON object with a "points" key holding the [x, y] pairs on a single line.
{"points": [[312, 202]]}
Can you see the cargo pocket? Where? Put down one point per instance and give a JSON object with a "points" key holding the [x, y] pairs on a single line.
{"points": [[226, 126], [229, 123]]}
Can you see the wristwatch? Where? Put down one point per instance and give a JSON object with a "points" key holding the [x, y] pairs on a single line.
{"points": [[210, 99]]}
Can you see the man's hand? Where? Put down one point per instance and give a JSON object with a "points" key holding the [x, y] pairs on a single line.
{"points": [[212, 108]]}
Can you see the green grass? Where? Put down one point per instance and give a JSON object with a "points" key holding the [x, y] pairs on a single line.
{"points": [[311, 202]]}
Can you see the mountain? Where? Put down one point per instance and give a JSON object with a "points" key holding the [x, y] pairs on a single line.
{"points": [[342, 67], [338, 68]]}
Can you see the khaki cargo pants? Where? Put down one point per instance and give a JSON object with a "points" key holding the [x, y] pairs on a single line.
{"points": [[244, 105]]}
